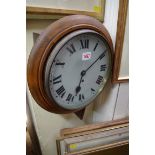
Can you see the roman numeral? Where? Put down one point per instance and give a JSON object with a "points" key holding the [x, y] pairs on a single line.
{"points": [[57, 79], [72, 98], [60, 63], [95, 47], [84, 44], [63, 94], [99, 79], [81, 96], [61, 90], [69, 97], [103, 67], [92, 90], [102, 55], [71, 49]]}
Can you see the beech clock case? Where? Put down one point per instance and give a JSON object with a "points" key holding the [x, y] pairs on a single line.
{"points": [[70, 64]]}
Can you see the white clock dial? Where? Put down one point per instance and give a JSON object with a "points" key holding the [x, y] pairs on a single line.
{"points": [[77, 69]]}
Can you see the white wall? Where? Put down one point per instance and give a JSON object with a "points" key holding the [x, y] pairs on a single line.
{"points": [[112, 104]]}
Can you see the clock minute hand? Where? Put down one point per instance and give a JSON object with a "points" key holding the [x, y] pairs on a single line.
{"points": [[100, 57], [78, 88]]}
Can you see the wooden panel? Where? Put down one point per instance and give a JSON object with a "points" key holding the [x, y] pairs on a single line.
{"points": [[121, 24], [122, 104], [120, 150], [105, 104], [124, 66]]}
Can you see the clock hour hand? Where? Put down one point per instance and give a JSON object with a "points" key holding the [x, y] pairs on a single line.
{"points": [[78, 88]]}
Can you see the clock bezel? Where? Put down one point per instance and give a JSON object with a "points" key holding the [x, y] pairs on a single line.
{"points": [[41, 51], [54, 53]]}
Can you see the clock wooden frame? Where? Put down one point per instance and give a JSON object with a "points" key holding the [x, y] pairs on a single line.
{"points": [[43, 47]]}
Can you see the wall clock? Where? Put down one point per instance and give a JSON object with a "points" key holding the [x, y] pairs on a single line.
{"points": [[70, 64]]}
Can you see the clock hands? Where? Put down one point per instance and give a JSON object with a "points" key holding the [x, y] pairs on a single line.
{"points": [[78, 88], [100, 57], [83, 73]]}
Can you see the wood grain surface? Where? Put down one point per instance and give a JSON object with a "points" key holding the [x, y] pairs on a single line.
{"points": [[92, 127], [122, 14]]}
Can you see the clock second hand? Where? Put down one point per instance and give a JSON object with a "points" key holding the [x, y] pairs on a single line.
{"points": [[83, 73]]}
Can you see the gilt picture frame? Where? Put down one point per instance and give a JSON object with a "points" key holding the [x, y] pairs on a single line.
{"points": [[56, 9], [93, 138]]}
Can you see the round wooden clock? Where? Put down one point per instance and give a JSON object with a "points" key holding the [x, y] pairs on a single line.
{"points": [[70, 64]]}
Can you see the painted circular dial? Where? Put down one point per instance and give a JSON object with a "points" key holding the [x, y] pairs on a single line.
{"points": [[77, 69]]}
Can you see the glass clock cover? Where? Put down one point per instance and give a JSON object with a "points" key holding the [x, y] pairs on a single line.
{"points": [[77, 69]]}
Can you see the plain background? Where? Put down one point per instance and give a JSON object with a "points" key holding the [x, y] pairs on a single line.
{"points": [[13, 76]]}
